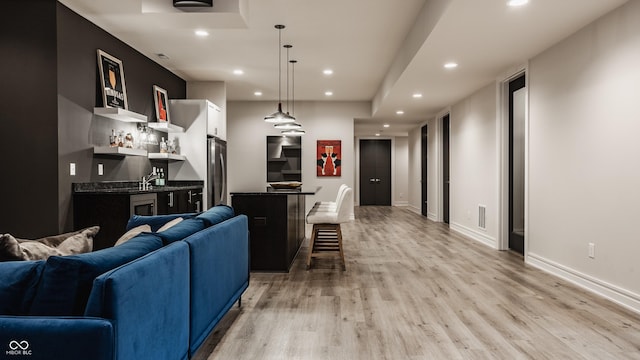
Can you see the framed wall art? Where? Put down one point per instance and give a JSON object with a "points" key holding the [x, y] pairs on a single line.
{"points": [[114, 91], [329, 158], [161, 101]]}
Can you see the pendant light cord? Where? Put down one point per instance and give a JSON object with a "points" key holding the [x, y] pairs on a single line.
{"points": [[280, 63]]}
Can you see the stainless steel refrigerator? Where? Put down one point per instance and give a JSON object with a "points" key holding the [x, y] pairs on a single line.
{"points": [[216, 171]]}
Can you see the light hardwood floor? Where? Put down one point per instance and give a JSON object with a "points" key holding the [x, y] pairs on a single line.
{"points": [[413, 289]]}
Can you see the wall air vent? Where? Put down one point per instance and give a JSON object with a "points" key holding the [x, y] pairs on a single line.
{"points": [[482, 213], [192, 3]]}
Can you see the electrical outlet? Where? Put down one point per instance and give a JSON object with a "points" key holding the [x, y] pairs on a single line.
{"points": [[100, 169], [72, 169], [592, 250]]}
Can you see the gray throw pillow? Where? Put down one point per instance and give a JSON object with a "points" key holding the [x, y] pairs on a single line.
{"points": [[76, 242], [9, 248]]}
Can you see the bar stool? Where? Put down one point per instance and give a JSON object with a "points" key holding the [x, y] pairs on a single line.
{"points": [[326, 236], [331, 205]]}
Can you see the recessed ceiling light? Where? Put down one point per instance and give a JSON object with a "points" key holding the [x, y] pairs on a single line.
{"points": [[417, 96], [328, 93], [258, 93], [202, 33], [327, 72], [238, 72], [162, 56], [517, 2], [377, 134], [399, 112], [386, 125], [451, 65]]}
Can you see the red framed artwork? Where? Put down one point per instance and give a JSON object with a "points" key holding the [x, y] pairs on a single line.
{"points": [[329, 158]]}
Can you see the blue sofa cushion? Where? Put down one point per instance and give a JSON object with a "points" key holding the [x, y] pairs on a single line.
{"points": [[219, 260], [18, 286], [216, 214], [66, 280], [148, 299], [181, 230], [155, 221]]}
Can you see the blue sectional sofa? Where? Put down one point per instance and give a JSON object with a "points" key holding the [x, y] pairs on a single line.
{"points": [[156, 296]]}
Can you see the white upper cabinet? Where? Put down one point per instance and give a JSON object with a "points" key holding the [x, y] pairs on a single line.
{"points": [[216, 124]]}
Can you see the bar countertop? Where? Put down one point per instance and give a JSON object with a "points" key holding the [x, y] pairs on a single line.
{"points": [[269, 191]]}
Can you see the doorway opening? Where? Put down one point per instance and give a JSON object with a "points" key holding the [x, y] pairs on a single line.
{"points": [[423, 176], [375, 172], [517, 125], [445, 168]]}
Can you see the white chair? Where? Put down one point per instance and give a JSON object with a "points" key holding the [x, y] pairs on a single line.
{"points": [[330, 205], [326, 236]]}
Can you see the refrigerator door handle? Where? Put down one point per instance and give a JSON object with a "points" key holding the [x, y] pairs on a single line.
{"points": [[223, 189]]}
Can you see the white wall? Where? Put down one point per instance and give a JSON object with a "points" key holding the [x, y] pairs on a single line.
{"points": [[414, 173], [473, 154], [246, 144], [585, 156], [400, 171]]}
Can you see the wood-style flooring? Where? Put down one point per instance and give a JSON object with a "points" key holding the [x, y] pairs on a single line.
{"points": [[413, 289]]}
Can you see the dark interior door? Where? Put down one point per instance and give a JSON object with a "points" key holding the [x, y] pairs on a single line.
{"points": [[516, 164], [445, 169], [423, 177], [375, 172]]}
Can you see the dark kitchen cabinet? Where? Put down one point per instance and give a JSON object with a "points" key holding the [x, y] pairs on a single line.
{"points": [[276, 225], [179, 201], [112, 208]]}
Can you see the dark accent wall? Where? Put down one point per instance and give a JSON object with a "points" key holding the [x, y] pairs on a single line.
{"points": [[28, 117], [49, 64]]}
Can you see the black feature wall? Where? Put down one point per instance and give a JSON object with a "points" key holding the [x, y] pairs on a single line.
{"points": [[28, 117], [49, 56]]}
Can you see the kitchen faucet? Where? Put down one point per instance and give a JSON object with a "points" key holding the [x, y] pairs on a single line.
{"points": [[146, 180]]}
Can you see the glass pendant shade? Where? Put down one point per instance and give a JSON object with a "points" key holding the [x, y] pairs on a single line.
{"points": [[293, 132], [288, 126], [279, 117]]}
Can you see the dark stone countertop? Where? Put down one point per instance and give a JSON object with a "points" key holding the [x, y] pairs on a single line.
{"points": [[269, 191], [131, 187]]}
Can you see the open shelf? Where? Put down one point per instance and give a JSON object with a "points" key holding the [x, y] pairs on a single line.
{"points": [[118, 151], [120, 114], [165, 127], [167, 156]]}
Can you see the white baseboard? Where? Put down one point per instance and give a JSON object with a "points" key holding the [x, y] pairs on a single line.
{"points": [[432, 216], [475, 235], [414, 209], [401, 203], [612, 292]]}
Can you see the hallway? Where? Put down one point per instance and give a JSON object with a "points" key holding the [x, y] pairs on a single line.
{"points": [[415, 290]]}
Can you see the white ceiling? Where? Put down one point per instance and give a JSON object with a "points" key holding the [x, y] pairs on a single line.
{"points": [[381, 51]]}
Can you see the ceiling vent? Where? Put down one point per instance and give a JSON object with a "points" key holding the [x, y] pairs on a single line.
{"points": [[192, 3]]}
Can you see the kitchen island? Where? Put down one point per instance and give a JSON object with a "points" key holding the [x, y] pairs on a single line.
{"points": [[276, 225]]}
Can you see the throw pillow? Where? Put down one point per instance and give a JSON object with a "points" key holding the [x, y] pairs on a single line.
{"points": [[79, 243], [155, 221], [216, 214], [76, 242], [55, 240], [169, 224], [9, 248], [132, 233]]}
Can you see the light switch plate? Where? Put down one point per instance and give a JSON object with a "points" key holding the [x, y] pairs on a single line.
{"points": [[72, 169]]}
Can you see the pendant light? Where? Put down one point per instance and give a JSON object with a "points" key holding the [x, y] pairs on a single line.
{"points": [[289, 125], [279, 116], [296, 130]]}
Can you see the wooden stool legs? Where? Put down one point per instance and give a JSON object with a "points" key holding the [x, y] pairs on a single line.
{"points": [[326, 240]]}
